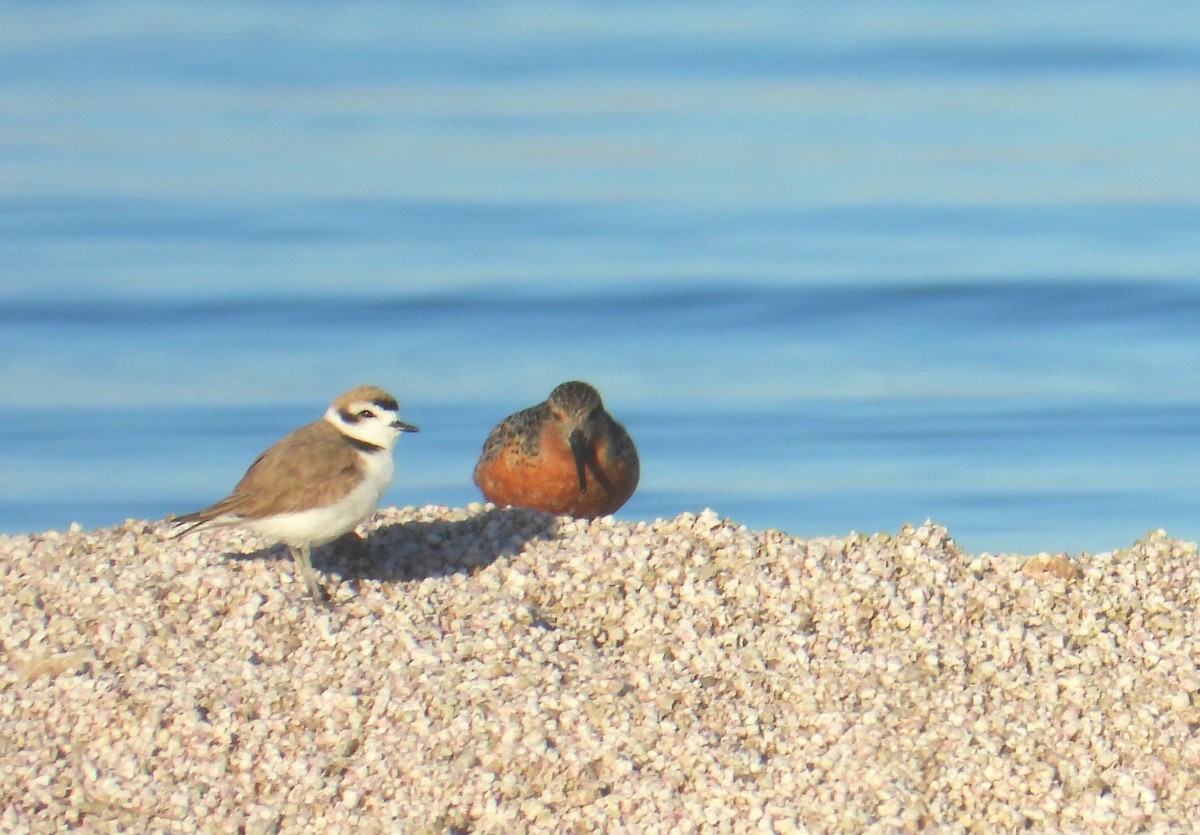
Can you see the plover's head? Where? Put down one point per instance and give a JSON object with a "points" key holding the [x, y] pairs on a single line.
{"points": [[368, 414]]}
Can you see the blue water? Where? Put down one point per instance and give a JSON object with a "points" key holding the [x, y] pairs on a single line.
{"points": [[835, 266]]}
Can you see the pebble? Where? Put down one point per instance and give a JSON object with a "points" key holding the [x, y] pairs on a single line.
{"points": [[491, 670]]}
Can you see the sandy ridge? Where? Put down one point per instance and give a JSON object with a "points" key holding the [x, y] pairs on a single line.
{"points": [[503, 671]]}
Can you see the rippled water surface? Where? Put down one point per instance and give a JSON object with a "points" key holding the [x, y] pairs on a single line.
{"points": [[834, 268]]}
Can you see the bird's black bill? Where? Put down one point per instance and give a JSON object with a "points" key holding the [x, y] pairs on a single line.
{"points": [[405, 427], [579, 451]]}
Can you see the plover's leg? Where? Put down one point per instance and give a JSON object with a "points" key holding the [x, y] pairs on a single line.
{"points": [[304, 565]]}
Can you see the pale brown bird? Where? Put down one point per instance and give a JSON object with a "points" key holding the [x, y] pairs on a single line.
{"points": [[317, 483]]}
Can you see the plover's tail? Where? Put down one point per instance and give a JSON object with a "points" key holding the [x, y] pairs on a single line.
{"points": [[201, 520]]}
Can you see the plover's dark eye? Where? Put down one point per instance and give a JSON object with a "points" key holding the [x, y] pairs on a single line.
{"points": [[366, 413]]}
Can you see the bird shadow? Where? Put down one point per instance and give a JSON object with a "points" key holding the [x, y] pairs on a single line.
{"points": [[419, 550]]}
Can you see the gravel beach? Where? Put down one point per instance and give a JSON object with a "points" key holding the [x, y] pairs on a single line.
{"points": [[490, 670]]}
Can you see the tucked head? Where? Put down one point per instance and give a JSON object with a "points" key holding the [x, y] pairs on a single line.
{"points": [[369, 414], [574, 401], [580, 412]]}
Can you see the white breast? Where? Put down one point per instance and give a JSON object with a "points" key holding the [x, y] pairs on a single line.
{"points": [[325, 524]]}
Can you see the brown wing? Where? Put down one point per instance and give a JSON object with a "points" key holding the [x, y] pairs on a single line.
{"points": [[312, 466], [622, 467], [522, 430], [620, 445]]}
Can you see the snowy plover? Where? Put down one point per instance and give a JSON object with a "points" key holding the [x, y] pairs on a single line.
{"points": [[317, 483]]}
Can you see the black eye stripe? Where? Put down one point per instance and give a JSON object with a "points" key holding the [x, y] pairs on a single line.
{"points": [[366, 413]]}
